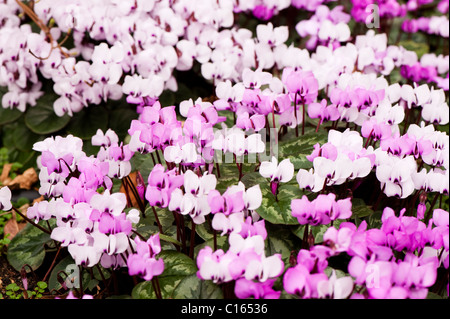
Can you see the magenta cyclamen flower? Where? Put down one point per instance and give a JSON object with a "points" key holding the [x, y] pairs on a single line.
{"points": [[322, 210], [301, 83], [144, 262], [161, 184], [304, 278], [245, 289]]}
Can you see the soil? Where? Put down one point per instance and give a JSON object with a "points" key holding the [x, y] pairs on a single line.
{"points": [[9, 275]]}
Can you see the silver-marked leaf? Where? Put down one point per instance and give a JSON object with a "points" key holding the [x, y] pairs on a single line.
{"points": [[27, 247], [192, 287], [297, 149], [278, 210], [177, 266]]}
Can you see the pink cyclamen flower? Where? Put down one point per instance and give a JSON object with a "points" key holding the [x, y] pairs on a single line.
{"points": [[301, 83], [321, 210], [144, 262], [245, 289]]}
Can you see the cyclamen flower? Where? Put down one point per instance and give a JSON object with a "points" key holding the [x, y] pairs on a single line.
{"points": [[5, 198], [303, 279], [323, 112], [282, 172], [144, 263], [194, 200], [395, 173], [302, 84], [336, 288], [403, 232], [60, 154], [235, 141], [161, 184], [322, 210], [245, 289]]}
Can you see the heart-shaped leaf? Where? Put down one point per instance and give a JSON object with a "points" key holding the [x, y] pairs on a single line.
{"points": [[177, 266], [85, 123], [27, 247], [192, 287], [278, 210], [42, 119], [9, 115], [297, 148]]}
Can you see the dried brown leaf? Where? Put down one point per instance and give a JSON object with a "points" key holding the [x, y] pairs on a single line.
{"points": [[4, 177], [25, 180]]}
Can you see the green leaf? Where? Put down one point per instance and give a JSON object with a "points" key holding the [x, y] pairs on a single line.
{"points": [[360, 209], [420, 48], [432, 295], [192, 287], [229, 175], [279, 241], [27, 247], [177, 266], [53, 283], [85, 123], [142, 163], [252, 179], [42, 119], [297, 148], [24, 138], [9, 115], [205, 231], [165, 217], [278, 210]]}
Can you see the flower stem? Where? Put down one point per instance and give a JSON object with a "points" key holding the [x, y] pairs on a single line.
{"points": [[157, 220], [303, 120], [53, 263], [295, 115], [191, 250], [31, 222], [156, 287]]}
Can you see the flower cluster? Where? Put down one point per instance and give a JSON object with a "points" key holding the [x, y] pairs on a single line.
{"points": [[343, 157], [322, 210], [143, 262], [373, 265], [385, 142]]}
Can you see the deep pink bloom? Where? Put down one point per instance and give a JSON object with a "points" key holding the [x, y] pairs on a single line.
{"points": [[245, 289]]}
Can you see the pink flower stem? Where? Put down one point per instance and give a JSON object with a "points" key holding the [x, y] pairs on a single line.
{"points": [[295, 115], [368, 139], [157, 220], [156, 287], [191, 250], [31, 222], [303, 120]]}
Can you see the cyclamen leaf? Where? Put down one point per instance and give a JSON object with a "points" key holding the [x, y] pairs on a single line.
{"points": [[298, 148], [9, 115], [177, 266], [360, 209], [281, 242], [192, 287], [278, 210], [85, 124], [42, 119], [27, 247]]}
